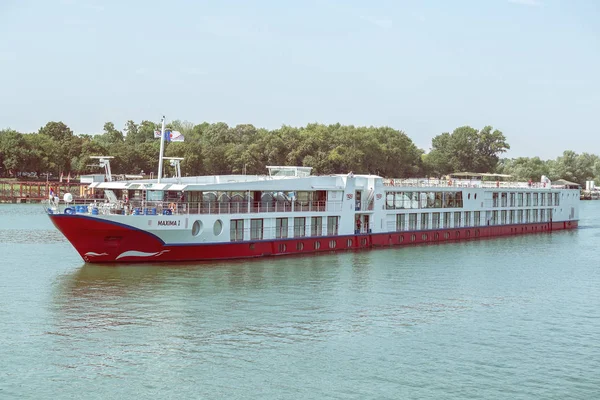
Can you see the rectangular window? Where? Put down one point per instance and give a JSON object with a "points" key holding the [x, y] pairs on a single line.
{"points": [[535, 199], [550, 215], [556, 199], [281, 228], [424, 221], [495, 199], [447, 217], [435, 220], [512, 199], [236, 232], [542, 199], [457, 220], [449, 200], [412, 222], [467, 221], [401, 222], [511, 217], [519, 216], [494, 217], [438, 200], [256, 229], [527, 216], [332, 226], [503, 217], [528, 199], [520, 199], [316, 226], [543, 215], [299, 227], [459, 200], [488, 217], [504, 199], [534, 215], [550, 199]]}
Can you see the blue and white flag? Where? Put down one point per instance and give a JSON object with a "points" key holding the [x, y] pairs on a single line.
{"points": [[170, 136]]}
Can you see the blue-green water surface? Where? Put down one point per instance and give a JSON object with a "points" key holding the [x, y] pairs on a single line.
{"points": [[506, 318]]}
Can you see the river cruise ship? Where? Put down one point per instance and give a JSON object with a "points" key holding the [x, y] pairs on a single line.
{"points": [[289, 211]]}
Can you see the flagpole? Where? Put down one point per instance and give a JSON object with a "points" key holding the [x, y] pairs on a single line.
{"points": [[162, 149]]}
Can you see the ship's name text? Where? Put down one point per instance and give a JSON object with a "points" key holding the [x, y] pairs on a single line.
{"points": [[169, 223]]}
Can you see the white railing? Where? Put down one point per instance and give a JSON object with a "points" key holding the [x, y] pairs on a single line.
{"points": [[461, 183], [139, 207]]}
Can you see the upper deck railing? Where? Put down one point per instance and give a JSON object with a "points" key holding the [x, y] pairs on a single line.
{"points": [[465, 183], [139, 207]]}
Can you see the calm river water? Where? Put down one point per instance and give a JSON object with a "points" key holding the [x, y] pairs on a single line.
{"points": [[508, 318]]}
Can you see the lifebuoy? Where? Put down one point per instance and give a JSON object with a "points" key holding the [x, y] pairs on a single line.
{"points": [[172, 206], [69, 211], [449, 182]]}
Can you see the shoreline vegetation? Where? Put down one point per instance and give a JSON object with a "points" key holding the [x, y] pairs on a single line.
{"points": [[217, 148]]}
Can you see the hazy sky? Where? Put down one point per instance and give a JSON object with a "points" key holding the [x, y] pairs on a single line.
{"points": [[528, 67]]}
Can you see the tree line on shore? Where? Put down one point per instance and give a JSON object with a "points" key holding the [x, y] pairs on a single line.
{"points": [[220, 149]]}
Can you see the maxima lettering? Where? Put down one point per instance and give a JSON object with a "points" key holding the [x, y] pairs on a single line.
{"points": [[169, 223]]}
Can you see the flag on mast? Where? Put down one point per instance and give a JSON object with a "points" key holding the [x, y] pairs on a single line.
{"points": [[170, 136]]}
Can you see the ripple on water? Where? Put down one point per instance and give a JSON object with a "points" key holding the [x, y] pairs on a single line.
{"points": [[24, 236]]}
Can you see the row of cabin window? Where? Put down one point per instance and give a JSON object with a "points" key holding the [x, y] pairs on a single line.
{"points": [[281, 229], [400, 200], [458, 219], [504, 199]]}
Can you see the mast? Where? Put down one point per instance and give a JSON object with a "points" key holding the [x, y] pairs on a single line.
{"points": [[162, 149]]}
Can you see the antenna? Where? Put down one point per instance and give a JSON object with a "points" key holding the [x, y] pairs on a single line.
{"points": [[104, 162]]}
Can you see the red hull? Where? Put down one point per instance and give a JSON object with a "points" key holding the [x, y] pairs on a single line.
{"points": [[102, 241]]}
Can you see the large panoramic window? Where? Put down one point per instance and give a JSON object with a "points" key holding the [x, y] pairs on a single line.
{"points": [[236, 232], [332, 225], [412, 222], [316, 226], [447, 217], [281, 228], [467, 221], [457, 221], [299, 227], [256, 229], [401, 222], [435, 220]]}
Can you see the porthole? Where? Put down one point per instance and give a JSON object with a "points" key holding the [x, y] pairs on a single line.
{"points": [[299, 246], [469, 196], [400, 238], [251, 246], [218, 227], [349, 243], [413, 237], [436, 236], [332, 244], [424, 237], [475, 196], [196, 228], [476, 232], [363, 241], [282, 247], [446, 235], [457, 234], [468, 234], [317, 245]]}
